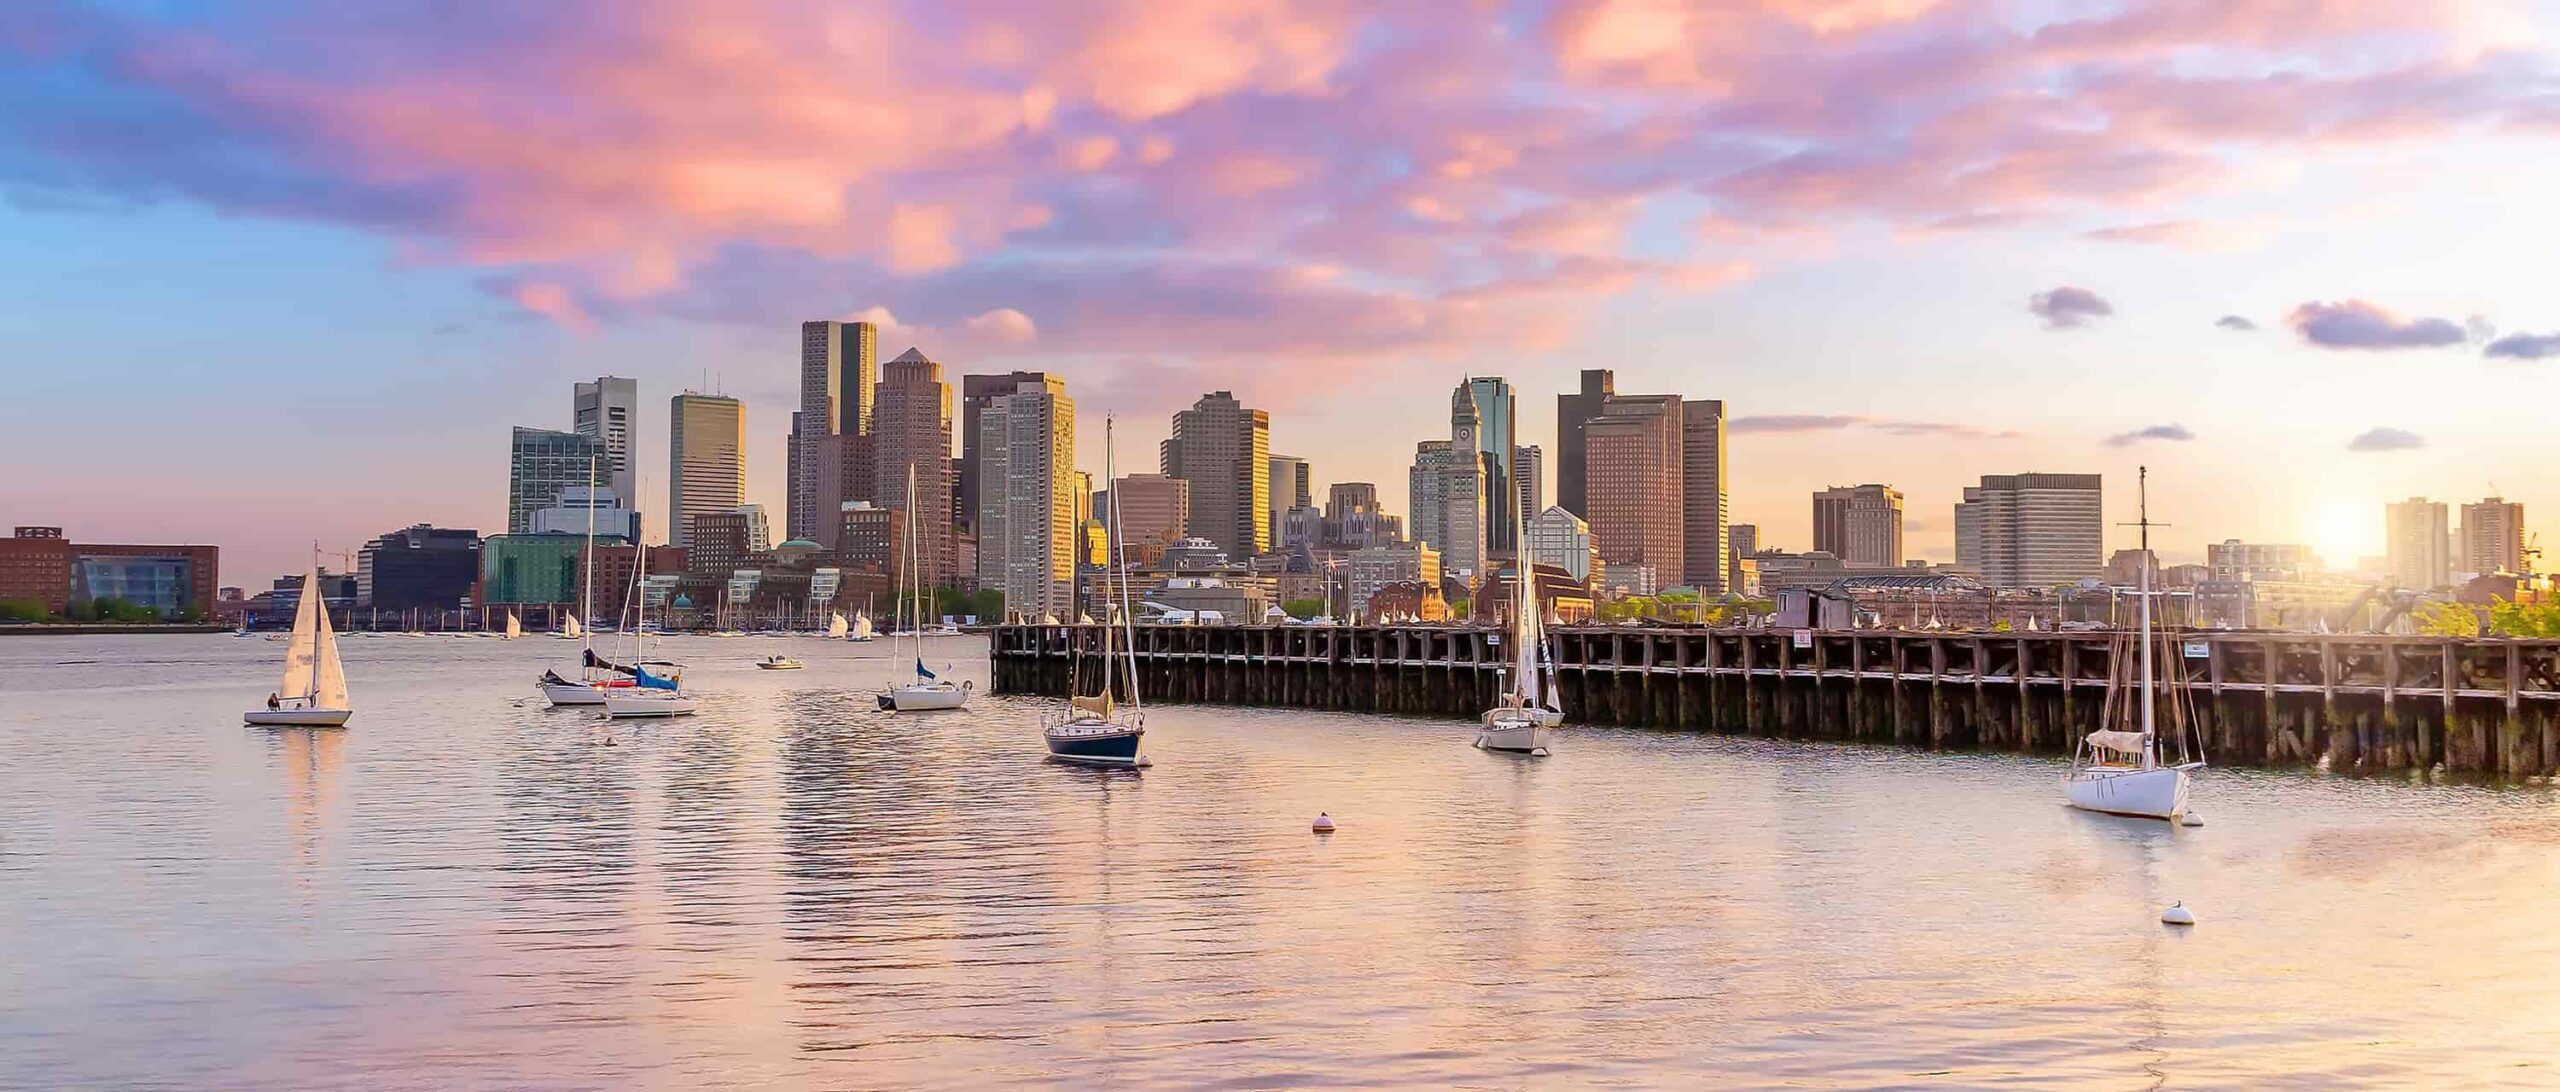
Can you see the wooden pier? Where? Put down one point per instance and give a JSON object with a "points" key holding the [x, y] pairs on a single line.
{"points": [[2349, 703]]}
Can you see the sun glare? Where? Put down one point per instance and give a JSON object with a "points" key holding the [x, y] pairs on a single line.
{"points": [[2343, 530]]}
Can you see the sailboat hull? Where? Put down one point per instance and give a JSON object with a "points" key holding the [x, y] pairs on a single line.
{"points": [[297, 718], [650, 703], [2159, 793], [1090, 742], [572, 694], [909, 699], [1518, 734]]}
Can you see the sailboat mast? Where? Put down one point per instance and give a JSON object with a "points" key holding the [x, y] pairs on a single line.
{"points": [[2142, 509], [587, 565]]}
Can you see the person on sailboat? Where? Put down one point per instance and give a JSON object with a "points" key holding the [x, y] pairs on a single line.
{"points": [[274, 701]]}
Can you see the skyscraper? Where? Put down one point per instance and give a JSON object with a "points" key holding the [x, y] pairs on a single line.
{"points": [[2493, 536], [838, 367], [541, 464], [706, 459], [1528, 480], [1026, 498], [1495, 438], [2032, 530], [1705, 511], [1572, 412], [911, 428], [1153, 509], [1859, 524], [1447, 491], [609, 410], [1634, 471], [975, 392], [1224, 451], [2420, 556], [1292, 487]]}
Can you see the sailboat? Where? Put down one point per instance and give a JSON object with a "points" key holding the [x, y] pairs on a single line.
{"points": [[2118, 770], [836, 626], [313, 693], [650, 695], [1526, 720], [594, 675], [515, 628], [925, 690], [1093, 730], [863, 630], [570, 630]]}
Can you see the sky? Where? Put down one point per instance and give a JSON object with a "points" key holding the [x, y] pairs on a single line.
{"points": [[284, 274]]}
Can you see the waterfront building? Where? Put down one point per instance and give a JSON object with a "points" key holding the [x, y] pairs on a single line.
{"points": [[2260, 562], [518, 569], [419, 568], [2419, 544], [1559, 538], [1634, 461], [1861, 524], [706, 459], [1026, 503], [722, 541], [1377, 567], [572, 515], [542, 463], [39, 565], [1224, 451], [872, 537], [1292, 488], [911, 428], [838, 368], [1705, 506], [1573, 412], [2493, 537], [608, 410], [975, 392], [1154, 508], [2030, 530]]}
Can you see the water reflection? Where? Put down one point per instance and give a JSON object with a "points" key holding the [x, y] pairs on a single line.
{"points": [[795, 889]]}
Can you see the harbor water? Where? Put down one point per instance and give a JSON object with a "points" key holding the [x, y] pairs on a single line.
{"points": [[467, 888]]}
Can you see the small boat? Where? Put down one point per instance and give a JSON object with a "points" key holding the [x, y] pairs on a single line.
{"points": [[570, 630], [2119, 770], [1526, 721], [944, 630], [925, 690], [836, 625], [1094, 731], [515, 628], [779, 663], [313, 693], [863, 631]]}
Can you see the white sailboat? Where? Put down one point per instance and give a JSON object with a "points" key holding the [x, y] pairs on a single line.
{"points": [[836, 625], [924, 690], [589, 687], [2119, 771], [1094, 731], [313, 693], [570, 630], [649, 695], [1526, 720], [515, 628], [863, 630]]}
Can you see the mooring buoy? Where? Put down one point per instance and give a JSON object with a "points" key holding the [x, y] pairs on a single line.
{"points": [[1324, 823], [2177, 914]]}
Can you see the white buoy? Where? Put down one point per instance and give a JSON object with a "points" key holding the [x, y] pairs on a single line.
{"points": [[2190, 819], [1324, 823], [2177, 914]]}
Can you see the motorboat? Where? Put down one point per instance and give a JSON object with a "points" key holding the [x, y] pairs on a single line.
{"points": [[779, 663]]}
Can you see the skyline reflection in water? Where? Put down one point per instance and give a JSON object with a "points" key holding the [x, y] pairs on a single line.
{"points": [[467, 887]]}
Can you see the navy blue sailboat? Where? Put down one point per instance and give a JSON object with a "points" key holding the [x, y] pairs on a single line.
{"points": [[1095, 730]]}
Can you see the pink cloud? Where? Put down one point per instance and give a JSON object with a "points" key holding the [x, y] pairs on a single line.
{"points": [[761, 160]]}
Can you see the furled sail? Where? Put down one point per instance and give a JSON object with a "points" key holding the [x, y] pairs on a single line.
{"points": [[2121, 742]]}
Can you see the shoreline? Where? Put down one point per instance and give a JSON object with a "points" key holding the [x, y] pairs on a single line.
{"points": [[85, 629]]}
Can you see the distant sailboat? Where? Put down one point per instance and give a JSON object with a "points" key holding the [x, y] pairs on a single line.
{"points": [[313, 693], [570, 630], [1094, 730], [863, 630], [1526, 720], [836, 625], [2117, 770], [925, 690], [515, 628], [649, 695]]}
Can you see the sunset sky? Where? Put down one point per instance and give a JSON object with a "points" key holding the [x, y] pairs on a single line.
{"points": [[277, 273]]}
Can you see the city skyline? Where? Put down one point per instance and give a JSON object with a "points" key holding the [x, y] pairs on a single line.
{"points": [[2028, 263]]}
